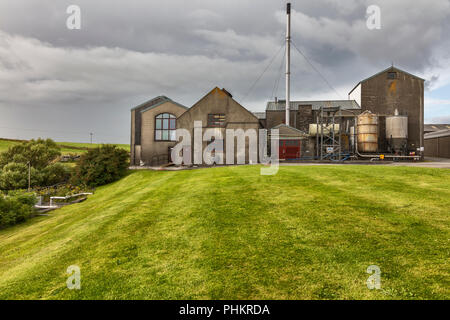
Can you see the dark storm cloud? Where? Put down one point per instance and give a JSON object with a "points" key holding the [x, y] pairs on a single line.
{"points": [[130, 51]]}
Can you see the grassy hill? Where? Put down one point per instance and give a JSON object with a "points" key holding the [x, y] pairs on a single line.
{"points": [[229, 233], [66, 147]]}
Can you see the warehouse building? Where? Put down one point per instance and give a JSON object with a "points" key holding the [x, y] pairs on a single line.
{"points": [[390, 90], [383, 115], [437, 144], [218, 110]]}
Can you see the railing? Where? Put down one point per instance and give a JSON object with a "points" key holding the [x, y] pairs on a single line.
{"points": [[51, 205]]}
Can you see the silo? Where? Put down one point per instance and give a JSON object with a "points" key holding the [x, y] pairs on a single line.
{"points": [[397, 132], [367, 132]]}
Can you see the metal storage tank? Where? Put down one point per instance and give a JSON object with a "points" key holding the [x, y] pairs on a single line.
{"points": [[397, 132], [367, 132]]}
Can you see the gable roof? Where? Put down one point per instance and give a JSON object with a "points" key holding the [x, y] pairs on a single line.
{"points": [[223, 91], [286, 131], [283, 125], [155, 102], [316, 105], [391, 68]]}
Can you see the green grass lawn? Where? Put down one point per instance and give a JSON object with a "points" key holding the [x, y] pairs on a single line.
{"points": [[308, 232], [66, 147]]}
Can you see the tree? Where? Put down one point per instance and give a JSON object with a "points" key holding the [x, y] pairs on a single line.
{"points": [[101, 166], [39, 152], [40, 155]]}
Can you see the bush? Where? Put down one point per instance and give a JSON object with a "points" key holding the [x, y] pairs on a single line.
{"points": [[16, 208], [15, 176], [39, 152], [41, 155], [101, 166], [54, 174]]}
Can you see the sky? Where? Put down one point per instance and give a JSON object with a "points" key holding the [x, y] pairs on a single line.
{"points": [[67, 83]]}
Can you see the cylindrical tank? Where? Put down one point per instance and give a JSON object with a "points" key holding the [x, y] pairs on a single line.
{"points": [[397, 132], [367, 132]]}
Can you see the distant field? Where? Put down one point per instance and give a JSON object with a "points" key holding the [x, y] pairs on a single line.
{"points": [[66, 147], [229, 233]]}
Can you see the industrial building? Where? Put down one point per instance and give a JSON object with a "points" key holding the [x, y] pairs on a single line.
{"points": [[437, 143], [383, 118]]}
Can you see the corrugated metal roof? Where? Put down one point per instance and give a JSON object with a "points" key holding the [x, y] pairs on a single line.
{"points": [[436, 127], [344, 104], [437, 134], [260, 115]]}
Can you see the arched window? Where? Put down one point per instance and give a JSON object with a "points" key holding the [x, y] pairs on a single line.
{"points": [[165, 127]]}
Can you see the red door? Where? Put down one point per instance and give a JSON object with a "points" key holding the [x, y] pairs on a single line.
{"points": [[289, 149]]}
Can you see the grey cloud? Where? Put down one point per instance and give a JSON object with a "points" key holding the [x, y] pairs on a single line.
{"points": [[129, 52]]}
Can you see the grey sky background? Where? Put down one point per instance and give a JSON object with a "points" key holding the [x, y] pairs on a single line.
{"points": [[64, 84]]}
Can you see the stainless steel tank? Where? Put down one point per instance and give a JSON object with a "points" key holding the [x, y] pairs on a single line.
{"points": [[397, 132], [367, 132]]}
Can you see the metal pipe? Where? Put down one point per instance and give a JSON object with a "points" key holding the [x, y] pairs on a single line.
{"points": [[288, 63]]}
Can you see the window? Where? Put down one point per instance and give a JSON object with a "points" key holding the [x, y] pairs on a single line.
{"points": [[392, 75], [165, 125], [216, 120]]}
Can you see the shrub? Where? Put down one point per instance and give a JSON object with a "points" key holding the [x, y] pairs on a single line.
{"points": [[15, 176], [101, 166], [39, 152], [41, 155], [54, 174], [16, 208]]}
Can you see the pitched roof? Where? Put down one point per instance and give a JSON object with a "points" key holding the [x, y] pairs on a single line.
{"points": [[220, 91], [153, 103], [436, 127], [392, 68], [437, 134], [316, 105], [288, 131]]}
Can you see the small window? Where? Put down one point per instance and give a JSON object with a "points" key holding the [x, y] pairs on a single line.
{"points": [[392, 75], [216, 120], [165, 124]]}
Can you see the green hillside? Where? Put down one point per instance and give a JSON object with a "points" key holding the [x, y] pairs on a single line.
{"points": [[230, 233], [66, 147]]}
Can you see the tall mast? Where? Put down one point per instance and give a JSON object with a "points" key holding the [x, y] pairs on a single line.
{"points": [[288, 63]]}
